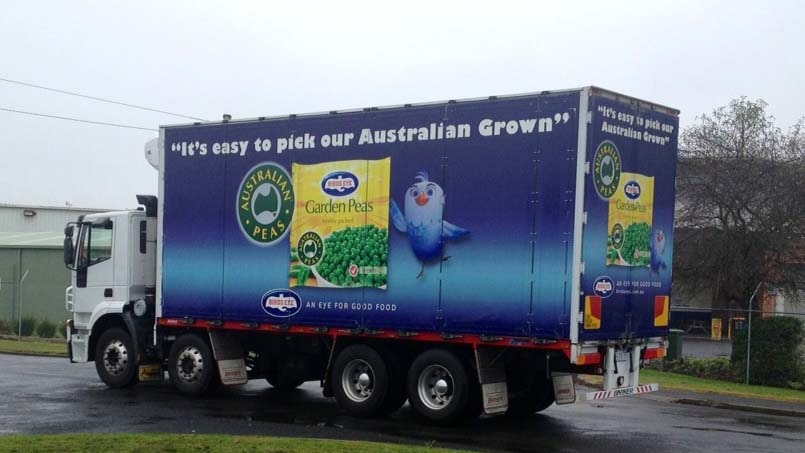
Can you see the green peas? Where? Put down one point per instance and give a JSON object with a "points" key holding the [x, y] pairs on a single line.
{"points": [[365, 247], [636, 244]]}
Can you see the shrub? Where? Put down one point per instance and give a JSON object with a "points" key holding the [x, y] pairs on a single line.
{"points": [[46, 329], [712, 368], [5, 327], [775, 358], [28, 326], [63, 329]]}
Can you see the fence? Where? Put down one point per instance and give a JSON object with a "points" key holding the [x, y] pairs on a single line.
{"points": [[720, 326]]}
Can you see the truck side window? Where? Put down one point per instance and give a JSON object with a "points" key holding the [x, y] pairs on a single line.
{"points": [[100, 243]]}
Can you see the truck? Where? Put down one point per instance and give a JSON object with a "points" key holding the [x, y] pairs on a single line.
{"points": [[465, 256]]}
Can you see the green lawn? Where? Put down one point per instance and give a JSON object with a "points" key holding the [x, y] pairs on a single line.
{"points": [[674, 381], [180, 443], [33, 347]]}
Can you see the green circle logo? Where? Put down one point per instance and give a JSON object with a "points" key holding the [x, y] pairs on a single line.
{"points": [[265, 203], [606, 169], [310, 248], [617, 236]]}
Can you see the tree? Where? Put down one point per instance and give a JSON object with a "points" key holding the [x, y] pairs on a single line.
{"points": [[740, 203]]}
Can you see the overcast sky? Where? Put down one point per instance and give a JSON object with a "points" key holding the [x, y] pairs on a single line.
{"points": [[250, 59]]}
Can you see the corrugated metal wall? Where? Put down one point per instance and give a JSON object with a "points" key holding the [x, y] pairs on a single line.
{"points": [[13, 218], [42, 291]]}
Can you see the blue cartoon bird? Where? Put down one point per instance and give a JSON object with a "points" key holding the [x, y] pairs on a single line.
{"points": [[657, 250], [423, 222]]}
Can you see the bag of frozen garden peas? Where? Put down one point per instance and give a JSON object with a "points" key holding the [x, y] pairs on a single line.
{"points": [[339, 232], [631, 210]]}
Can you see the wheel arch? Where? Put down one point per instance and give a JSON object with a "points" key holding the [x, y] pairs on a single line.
{"points": [[103, 324]]}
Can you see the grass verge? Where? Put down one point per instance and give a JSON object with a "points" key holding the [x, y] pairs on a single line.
{"points": [[180, 443], [33, 347], [673, 381]]}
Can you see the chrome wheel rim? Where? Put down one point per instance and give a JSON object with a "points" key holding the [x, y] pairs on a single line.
{"points": [[358, 380], [115, 358], [190, 364], [435, 387]]}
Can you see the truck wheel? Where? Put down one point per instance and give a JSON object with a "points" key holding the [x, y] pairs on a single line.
{"points": [[397, 394], [115, 358], [439, 386], [191, 365], [534, 399], [360, 380], [283, 383]]}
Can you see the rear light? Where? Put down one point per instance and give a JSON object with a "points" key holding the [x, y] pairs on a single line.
{"points": [[654, 353], [589, 359]]}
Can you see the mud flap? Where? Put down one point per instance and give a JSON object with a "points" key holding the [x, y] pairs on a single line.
{"points": [[492, 377], [564, 390], [229, 354]]}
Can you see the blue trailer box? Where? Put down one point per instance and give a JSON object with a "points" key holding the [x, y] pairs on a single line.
{"points": [[544, 216]]}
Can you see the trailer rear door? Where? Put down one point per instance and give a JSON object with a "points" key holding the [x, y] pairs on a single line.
{"points": [[627, 246]]}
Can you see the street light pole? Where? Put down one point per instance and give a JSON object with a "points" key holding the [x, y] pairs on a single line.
{"points": [[19, 306], [749, 332]]}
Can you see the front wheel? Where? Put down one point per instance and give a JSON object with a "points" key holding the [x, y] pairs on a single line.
{"points": [[116, 359], [191, 365]]}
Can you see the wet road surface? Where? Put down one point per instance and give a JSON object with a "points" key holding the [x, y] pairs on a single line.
{"points": [[49, 395]]}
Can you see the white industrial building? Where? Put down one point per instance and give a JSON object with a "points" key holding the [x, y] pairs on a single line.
{"points": [[38, 219], [32, 273]]}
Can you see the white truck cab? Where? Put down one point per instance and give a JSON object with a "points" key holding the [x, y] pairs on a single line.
{"points": [[113, 256]]}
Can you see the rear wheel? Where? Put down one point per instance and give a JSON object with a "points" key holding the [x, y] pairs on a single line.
{"points": [[115, 358], [397, 394], [360, 380], [284, 383], [439, 387], [191, 365], [536, 398]]}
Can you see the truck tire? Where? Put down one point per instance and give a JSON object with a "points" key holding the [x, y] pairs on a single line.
{"points": [[397, 393], [116, 359], [439, 387], [191, 365], [538, 397], [284, 383], [360, 380]]}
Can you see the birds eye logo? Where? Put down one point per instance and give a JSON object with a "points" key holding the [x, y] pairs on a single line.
{"points": [[606, 169], [265, 203], [632, 190], [339, 183], [603, 286]]}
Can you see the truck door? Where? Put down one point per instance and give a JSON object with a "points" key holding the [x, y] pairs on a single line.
{"points": [[94, 269], [627, 246]]}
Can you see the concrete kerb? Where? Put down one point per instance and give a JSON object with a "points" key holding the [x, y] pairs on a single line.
{"points": [[709, 399], [740, 407]]}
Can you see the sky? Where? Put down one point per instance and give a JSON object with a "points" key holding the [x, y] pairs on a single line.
{"points": [[249, 59]]}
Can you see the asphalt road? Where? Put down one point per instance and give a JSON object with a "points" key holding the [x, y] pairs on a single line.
{"points": [[47, 395]]}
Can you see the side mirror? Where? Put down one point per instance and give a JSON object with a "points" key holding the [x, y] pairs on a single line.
{"points": [[69, 251], [68, 231]]}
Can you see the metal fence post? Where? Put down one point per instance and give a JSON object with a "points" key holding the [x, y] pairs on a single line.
{"points": [[749, 332]]}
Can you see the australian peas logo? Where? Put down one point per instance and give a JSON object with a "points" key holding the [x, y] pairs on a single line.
{"points": [[606, 169], [265, 203]]}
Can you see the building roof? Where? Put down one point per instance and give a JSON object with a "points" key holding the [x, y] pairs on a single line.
{"points": [[28, 240], [58, 208]]}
